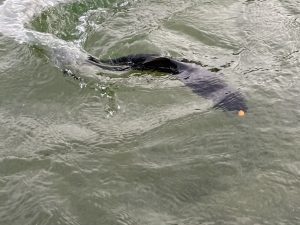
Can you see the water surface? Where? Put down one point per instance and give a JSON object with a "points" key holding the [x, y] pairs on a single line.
{"points": [[140, 148]]}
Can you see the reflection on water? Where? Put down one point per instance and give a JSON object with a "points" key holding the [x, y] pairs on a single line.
{"points": [[140, 148]]}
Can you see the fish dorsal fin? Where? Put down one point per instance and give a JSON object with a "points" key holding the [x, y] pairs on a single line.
{"points": [[161, 64]]}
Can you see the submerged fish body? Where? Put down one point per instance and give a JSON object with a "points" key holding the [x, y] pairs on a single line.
{"points": [[209, 85], [202, 82]]}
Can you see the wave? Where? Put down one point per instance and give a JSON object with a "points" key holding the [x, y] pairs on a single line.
{"points": [[15, 14]]}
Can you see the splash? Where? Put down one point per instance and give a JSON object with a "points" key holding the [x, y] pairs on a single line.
{"points": [[15, 14]]}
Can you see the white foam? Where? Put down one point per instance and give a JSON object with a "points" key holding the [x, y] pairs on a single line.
{"points": [[14, 14]]}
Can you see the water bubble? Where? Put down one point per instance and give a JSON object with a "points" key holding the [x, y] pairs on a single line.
{"points": [[82, 84]]}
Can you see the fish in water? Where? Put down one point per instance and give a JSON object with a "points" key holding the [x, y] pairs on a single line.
{"points": [[203, 82]]}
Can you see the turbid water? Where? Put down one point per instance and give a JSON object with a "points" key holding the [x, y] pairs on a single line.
{"points": [[140, 148]]}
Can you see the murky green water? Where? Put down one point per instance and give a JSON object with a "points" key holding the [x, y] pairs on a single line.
{"points": [[140, 148]]}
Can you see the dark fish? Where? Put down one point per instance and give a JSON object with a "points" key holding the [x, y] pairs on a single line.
{"points": [[204, 83]]}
